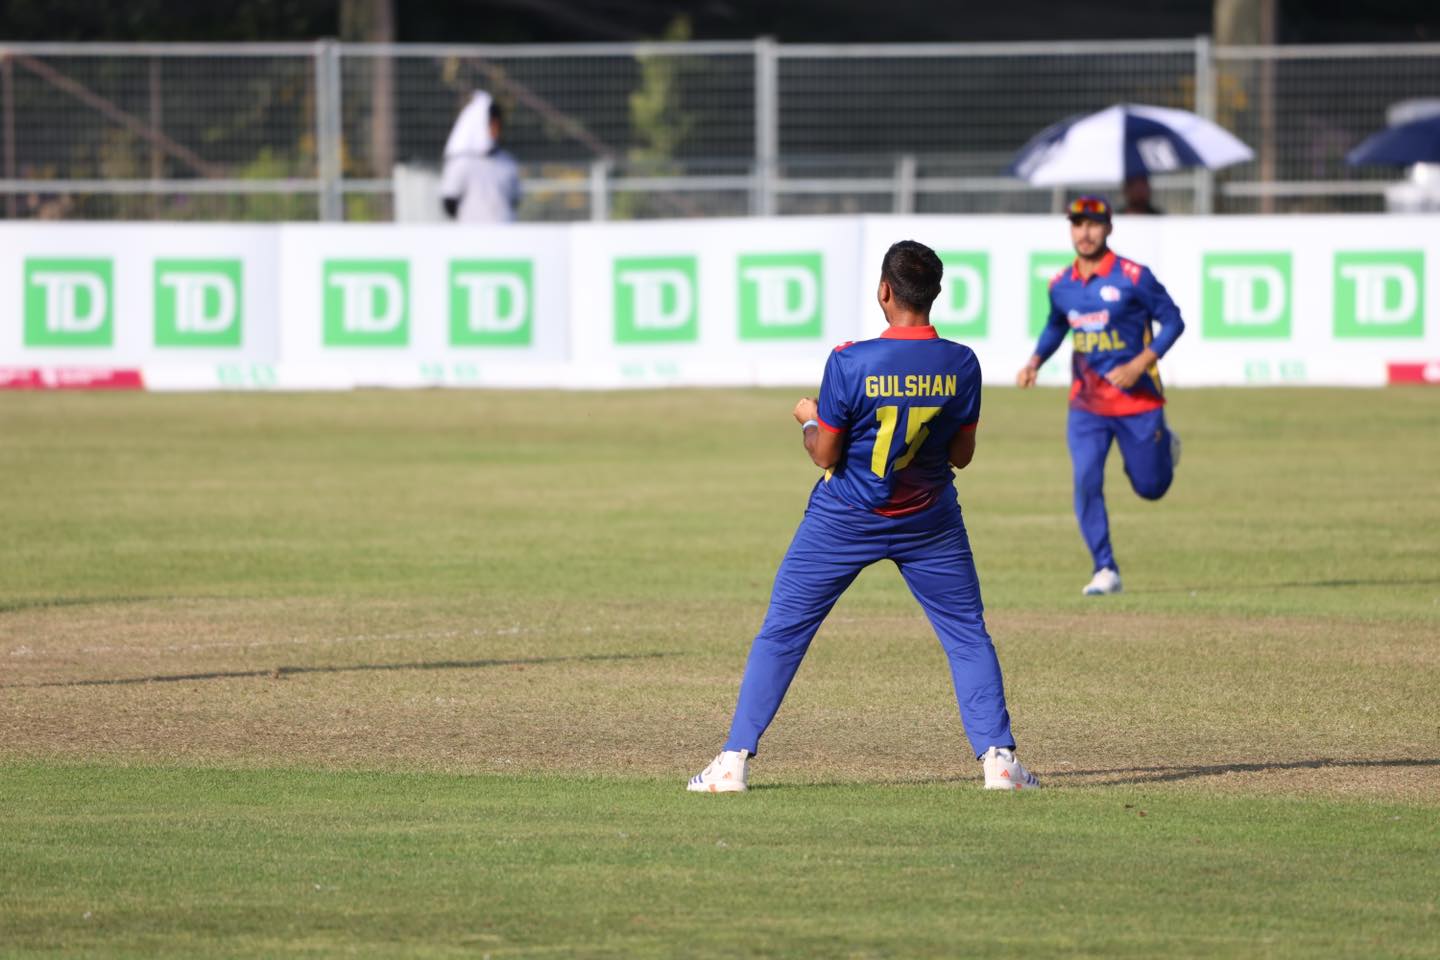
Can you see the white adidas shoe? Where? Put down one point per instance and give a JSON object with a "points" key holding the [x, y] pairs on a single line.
{"points": [[727, 773], [1105, 581], [1004, 772]]}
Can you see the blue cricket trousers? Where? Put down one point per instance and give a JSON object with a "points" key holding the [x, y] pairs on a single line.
{"points": [[834, 543], [1144, 441]]}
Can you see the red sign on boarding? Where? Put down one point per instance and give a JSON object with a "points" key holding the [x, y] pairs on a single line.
{"points": [[1415, 373], [69, 378]]}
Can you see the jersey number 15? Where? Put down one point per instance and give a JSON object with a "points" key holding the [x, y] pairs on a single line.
{"points": [[915, 433]]}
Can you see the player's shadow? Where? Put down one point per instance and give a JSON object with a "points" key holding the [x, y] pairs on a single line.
{"points": [[281, 672], [1129, 776], [1123, 776]]}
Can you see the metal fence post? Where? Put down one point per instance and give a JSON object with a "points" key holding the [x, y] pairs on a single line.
{"points": [[905, 167], [767, 125], [600, 189], [7, 108], [328, 129], [1204, 106]]}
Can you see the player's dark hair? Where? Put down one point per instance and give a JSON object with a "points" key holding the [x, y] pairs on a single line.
{"points": [[497, 112], [913, 272]]}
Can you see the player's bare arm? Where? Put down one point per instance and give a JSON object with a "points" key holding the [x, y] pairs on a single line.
{"points": [[1126, 375], [1026, 377], [962, 449], [823, 446]]}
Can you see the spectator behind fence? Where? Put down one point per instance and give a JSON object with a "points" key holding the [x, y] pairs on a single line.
{"points": [[481, 181], [1137, 196]]}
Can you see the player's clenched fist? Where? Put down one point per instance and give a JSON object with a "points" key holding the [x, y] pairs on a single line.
{"points": [[806, 409]]}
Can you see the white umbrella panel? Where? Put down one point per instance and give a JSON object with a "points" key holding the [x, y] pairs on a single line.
{"points": [[1124, 141]]}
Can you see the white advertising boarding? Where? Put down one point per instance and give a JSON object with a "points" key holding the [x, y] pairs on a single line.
{"points": [[416, 305], [711, 301], [1335, 300], [121, 295]]}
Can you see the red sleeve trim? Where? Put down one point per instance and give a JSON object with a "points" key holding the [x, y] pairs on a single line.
{"points": [[847, 343], [827, 426], [969, 427]]}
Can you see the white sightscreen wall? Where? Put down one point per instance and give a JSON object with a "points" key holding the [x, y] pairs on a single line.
{"points": [[1266, 300], [122, 295], [1333, 300], [711, 301], [411, 305]]}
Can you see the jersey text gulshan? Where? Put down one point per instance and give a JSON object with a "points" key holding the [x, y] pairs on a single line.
{"points": [[911, 385]]}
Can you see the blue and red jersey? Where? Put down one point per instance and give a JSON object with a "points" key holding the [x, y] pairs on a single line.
{"points": [[899, 400], [1109, 315]]}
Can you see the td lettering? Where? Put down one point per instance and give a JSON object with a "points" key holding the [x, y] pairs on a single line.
{"points": [[1246, 295], [366, 303], [499, 302], [1379, 294], [781, 295], [648, 291], [69, 302], [371, 302], [1242, 301], [492, 303], [1373, 286], [63, 292], [192, 291], [773, 286], [656, 299]]}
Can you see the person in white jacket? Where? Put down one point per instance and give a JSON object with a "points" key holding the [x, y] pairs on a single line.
{"points": [[481, 181]]}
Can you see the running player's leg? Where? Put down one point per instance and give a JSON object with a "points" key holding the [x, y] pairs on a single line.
{"points": [[1089, 439], [819, 565], [1144, 441], [940, 570]]}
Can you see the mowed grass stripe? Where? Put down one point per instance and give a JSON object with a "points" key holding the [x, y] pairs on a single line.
{"points": [[136, 861], [1308, 502]]}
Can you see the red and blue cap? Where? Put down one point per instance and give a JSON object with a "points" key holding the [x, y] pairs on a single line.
{"points": [[1089, 207]]}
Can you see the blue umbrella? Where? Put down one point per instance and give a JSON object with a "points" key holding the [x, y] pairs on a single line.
{"points": [[1125, 141], [1400, 146]]}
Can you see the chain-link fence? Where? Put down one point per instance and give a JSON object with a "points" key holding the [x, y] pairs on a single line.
{"points": [[618, 131], [1302, 109]]}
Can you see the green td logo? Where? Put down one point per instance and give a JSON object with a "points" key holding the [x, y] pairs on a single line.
{"points": [[367, 303], [198, 303], [1245, 295], [781, 296], [655, 300], [491, 303], [69, 303], [1043, 267], [963, 307], [1380, 294]]}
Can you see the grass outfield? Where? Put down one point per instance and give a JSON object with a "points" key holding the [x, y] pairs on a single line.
{"points": [[422, 674]]}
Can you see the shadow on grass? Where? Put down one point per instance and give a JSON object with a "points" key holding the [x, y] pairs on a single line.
{"points": [[1120, 776], [279, 673], [45, 603]]}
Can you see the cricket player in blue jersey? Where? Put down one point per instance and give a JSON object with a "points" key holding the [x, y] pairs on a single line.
{"points": [[894, 415], [1107, 304]]}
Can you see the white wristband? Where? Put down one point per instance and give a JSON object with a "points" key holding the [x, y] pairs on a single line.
{"points": [[808, 424]]}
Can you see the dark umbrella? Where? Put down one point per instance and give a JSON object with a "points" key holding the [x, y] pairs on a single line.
{"points": [[1400, 146]]}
